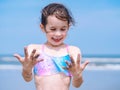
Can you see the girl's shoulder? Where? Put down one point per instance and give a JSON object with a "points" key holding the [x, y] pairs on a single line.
{"points": [[31, 47], [74, 49], [34, 46]]}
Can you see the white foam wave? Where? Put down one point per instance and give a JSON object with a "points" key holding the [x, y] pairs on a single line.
{"points": [[102, 59], [89, 67], [104, 67], [9, 59], [10, 67]]}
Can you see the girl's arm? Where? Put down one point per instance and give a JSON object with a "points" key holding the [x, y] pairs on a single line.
{"points": [[76, 70], [27, 74], [77, 80], [28, 62], [75, 67]]}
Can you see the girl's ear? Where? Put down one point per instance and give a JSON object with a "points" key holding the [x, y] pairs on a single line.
{"points": [[42, 27], [69, 25]]}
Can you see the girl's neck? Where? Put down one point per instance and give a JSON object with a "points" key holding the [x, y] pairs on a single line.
{"points": [[53, 46], [56, 50]]}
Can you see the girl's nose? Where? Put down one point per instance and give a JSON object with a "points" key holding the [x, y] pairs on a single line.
{"points": [[58, 33]]}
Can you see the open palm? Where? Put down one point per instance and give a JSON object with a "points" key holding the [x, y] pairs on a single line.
{"points": [[28, 61], [76, 68]]}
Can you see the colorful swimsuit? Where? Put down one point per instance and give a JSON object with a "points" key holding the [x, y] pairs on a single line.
{"points": [[51, 65]]}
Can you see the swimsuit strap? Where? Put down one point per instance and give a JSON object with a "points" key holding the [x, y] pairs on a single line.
{"points": [[67, 47], [43, 48]]}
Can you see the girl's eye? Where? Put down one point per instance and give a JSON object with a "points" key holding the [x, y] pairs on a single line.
{"points": [[52, 29], [63, 29]]}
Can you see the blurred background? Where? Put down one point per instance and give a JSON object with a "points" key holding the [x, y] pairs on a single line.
{"points": [[96, 32]]}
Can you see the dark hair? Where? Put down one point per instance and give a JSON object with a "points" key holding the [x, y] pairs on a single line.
{"points": [[59, 10]]}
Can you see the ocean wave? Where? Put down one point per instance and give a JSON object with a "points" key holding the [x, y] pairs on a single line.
{"points": [[102, 59], [8, 59], [13, 59], [12, 63], [89, 67], [10, 67], [103, 67]]}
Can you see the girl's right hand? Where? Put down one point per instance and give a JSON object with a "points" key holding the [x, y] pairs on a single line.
{"points": [[28, 62]]}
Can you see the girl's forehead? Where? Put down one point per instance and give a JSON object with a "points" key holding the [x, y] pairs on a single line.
{"points": [[53, 21]]}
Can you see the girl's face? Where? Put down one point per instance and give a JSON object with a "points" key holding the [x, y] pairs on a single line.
{"points": [[56, 30]]}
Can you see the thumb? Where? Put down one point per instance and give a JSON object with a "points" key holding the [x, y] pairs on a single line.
{"points": [[18, 57], [84, 64]]}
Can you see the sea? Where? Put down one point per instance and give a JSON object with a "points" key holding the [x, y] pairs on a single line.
{"points": [[102, 73]]}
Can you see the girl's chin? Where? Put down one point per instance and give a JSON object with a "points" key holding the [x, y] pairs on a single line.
{"points": [[56, 44]]}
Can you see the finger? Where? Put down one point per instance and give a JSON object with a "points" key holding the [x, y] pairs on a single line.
{"points": [[84, 64], [78, 59], [69, 64], [32, 54], [36, 59], [35, 62], [72, 60], [18, 57], [66, 68], [39, 58], [25, 52], [36, 56]]}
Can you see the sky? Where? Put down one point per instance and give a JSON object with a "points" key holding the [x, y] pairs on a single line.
{"points": [[96, 32]]}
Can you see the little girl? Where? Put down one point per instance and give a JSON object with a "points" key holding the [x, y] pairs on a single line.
{"points": [[53, 63]]}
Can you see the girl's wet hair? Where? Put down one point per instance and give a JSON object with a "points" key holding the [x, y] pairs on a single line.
{"points": [[59, 10]]}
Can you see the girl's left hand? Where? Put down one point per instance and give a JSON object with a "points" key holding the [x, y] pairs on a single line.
{"points": [[76, 68]]}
